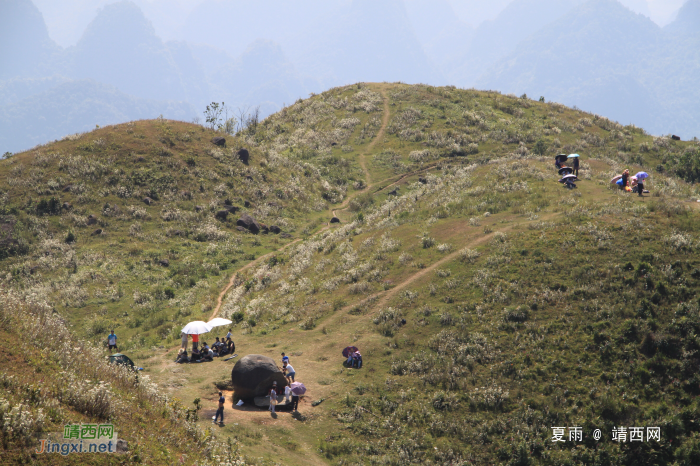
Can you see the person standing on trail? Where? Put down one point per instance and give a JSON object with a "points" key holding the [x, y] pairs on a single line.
{"points": [[229, 335], [220, 411], [575, 166], [112, 342], [195, 341], [273, 396], [184, 340]]}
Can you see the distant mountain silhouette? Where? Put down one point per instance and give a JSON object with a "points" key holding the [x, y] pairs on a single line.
{"points": [[233, 25], [498, 37], [604, 58], [120, 47], [76, 106], [362, 40], [443, 36], [25, 46], [263, 76]]}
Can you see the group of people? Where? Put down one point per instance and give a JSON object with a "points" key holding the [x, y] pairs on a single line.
{"points": [[355, 359], [633, 184], [221, 347], [568, 174], [289, 373]]}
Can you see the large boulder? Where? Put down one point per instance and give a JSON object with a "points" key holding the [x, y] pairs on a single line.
{"points": [[249, 223], [253, 375], [222, 214], [243, 156], [219, 141]]}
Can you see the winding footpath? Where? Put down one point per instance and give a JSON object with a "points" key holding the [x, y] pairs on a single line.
{"points": [[341, 207]]}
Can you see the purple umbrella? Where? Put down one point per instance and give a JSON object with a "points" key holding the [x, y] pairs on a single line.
{"points": [[642, 175], [298, 388], [349, 350]]}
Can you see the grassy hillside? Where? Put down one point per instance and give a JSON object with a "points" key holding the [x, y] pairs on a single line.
{"points": [[490, 302]]}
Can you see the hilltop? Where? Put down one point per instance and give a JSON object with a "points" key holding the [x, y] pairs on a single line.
{"points": [[490, 302]]}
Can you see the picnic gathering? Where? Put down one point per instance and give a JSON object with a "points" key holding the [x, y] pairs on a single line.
{"points": [[256, 380], [625, 182]]}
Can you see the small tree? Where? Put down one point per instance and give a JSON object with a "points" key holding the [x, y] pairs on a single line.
{"points": [[540, 147], [213, 114]]}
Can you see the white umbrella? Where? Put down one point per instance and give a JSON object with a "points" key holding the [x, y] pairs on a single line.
{"points": [[196, 328], [218, 322]]}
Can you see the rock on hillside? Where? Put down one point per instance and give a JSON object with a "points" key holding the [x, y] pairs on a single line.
{"points": [[253, 376]]}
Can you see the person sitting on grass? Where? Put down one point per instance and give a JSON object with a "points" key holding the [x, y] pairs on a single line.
{"points": [[223, 347], [207, 353], [182, 356], [196, 355], [357, 359], [216, 347], [231, 345]]}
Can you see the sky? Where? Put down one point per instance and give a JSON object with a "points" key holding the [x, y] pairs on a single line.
{"points": [[67, 19]]}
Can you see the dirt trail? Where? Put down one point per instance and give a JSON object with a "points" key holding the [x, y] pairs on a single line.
{"points": [[342, 206], [385, 296], [380, 135], [250, 264]]}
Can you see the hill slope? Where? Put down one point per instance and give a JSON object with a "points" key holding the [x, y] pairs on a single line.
{"points": [[489, 302]]}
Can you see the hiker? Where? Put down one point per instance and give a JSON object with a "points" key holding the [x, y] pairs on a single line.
{"points": [[640, 187], [182, 356], [220, 411], [625, 179], [295, 402], [184, 340], [112, 342], [228, 335], [575, 166], [195, 341], [640, 177], [273, 396], [287, 393], [285, 359], [289, 372]]}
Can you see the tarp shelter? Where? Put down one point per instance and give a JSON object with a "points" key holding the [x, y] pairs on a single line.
{"points": [[121, 359]]}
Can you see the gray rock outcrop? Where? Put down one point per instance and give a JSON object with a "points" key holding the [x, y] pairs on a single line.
{"points": [[253, 375]]}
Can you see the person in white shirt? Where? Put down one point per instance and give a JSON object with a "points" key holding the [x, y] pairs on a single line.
{"points": [[288, 371]]}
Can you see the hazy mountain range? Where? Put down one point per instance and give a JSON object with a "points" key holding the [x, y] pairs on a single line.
{"points": [[598, 55]]}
